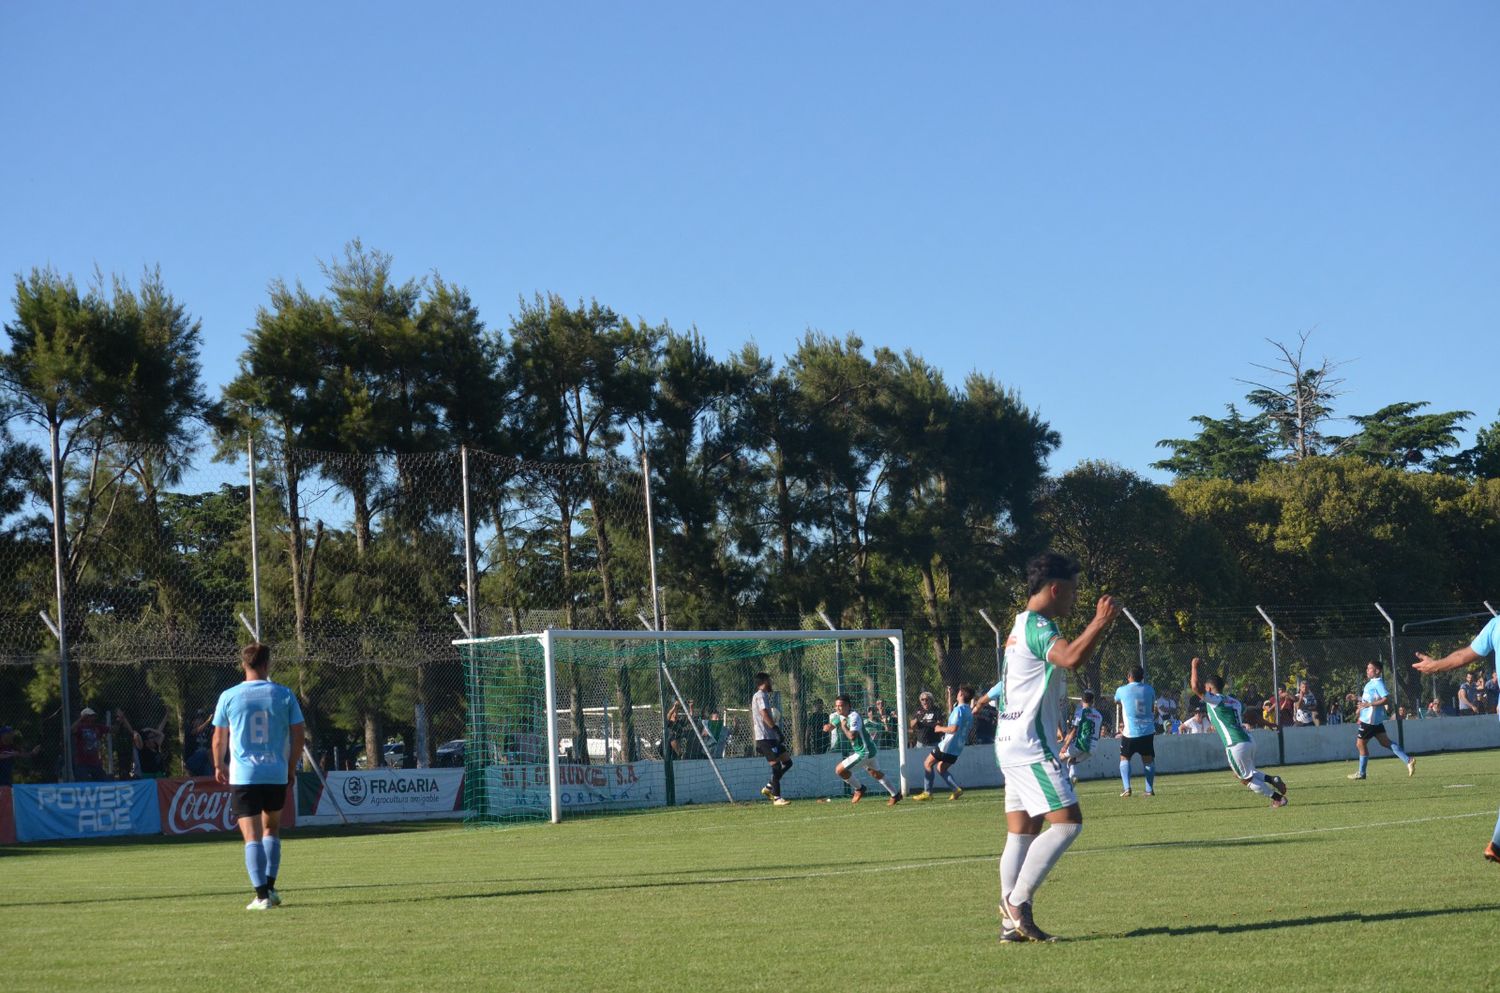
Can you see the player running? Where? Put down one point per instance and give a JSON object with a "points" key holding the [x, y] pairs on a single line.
{"points": [[846, 720], [1137, 704], [955, 734], [1036, 788], [1484, 643], [769, 741], [1372, 701], [1079, 743], [258, 726], [1224, 715]]}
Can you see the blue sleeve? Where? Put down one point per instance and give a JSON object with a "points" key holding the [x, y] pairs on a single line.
{"points": [[1118, 691], [1484, 642], [295, 713], [221, 711], [995, 691]]}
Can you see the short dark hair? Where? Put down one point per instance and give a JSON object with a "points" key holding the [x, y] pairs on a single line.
{"points": [[1137, 673], [1215, 680], [1376, 664], [256, 656], [966, 692], [844, 697], [1049, 567], [1088, 696], [762, 677]]}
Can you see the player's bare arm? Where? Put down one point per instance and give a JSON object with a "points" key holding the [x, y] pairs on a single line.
{"points": [[221, 753], [1072, 654], [1427, 665]]}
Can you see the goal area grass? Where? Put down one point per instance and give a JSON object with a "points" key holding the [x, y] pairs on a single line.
{"points": [[1378, 884]]}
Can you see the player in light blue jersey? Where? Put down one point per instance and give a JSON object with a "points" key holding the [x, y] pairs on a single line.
{"points": [[955, 735], [258, 727], [1484, 644], [1136, 702], [1372, 708]]}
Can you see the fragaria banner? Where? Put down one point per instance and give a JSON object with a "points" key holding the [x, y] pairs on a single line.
{"points": [[7, 818], [391, 791], [85, 810], [202, 804]]}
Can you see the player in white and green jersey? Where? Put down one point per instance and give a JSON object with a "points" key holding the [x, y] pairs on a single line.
{"points": [[1079, 743], [847, 721], [1036, 788], [1224, 716]]}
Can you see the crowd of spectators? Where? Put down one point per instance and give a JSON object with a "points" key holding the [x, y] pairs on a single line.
{"points": [[96, 757]]}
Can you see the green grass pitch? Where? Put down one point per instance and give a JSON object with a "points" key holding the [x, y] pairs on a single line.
{"points": [[1374, 885]]}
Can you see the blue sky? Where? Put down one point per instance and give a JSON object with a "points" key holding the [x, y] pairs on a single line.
{"points": [[1106, 206]]}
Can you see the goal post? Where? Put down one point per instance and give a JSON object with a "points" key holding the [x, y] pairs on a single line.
{"points": [[564, 723]]}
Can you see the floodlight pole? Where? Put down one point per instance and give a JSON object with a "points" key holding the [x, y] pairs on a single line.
{"points": [[1140, 634], [999, 645], [61, 631], [838, 656], [1275, 681], [1395, 679]]}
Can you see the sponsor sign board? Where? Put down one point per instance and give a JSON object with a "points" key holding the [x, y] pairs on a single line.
{"points": [[202, 804], [391, 791], [85, 810], [518, 787]]}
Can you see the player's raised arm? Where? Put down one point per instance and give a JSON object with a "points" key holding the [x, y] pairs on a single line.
{"points": [[1427, 665], [1072, 654], [1194, 682]]}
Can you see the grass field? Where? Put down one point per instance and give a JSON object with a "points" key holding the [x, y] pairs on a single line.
{"points": [[1374, 885]]}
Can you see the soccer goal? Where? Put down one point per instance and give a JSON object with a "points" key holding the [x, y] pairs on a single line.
{"points": [[563, 723]]}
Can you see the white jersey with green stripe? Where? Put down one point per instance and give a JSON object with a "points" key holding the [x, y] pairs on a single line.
{"points": [[1224, 715], [1025, 697], [1087, 721], [861, 743]]}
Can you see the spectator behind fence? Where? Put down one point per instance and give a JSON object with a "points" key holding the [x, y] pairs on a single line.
{"points": [[885, 724], [1492, 691], [197, 740], [1434, 707], [1468, 696], [984, 726], [1166, 711], [90, 737], [1287, 705], [10, 750], [1305, 713], [1483, 702], [1196, 724], [928, 717], [150, 758]]}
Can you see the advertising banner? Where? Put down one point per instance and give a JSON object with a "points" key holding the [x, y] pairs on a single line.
{"points": [[202, 804], [85, 810], [521, 787], [7, 818], [370, 795]]}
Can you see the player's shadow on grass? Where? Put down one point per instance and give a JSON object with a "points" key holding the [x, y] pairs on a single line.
{"points": [[1349, 917]]}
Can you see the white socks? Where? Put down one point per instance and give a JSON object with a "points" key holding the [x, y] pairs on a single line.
{"points": [[1044, 853], [1016, 846], [1258, 784]]}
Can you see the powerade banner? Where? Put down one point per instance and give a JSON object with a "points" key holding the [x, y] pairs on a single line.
{"points": [[7, 818], [85, 810], [391, 791], [188, 806], [524, 787]]}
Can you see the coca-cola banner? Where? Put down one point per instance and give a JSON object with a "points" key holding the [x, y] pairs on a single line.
{"points": [[7, 818], [371, 795], [85, 810], [190, 805]]}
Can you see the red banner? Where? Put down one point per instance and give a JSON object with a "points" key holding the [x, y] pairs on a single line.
{"points": [[202, 804], [7, 818]]}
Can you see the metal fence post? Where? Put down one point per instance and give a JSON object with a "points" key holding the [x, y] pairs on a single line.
{"points": [[1140, 634], [254, 533], [61, 631], [1395, 679], [999, 646], [1275, 681]]}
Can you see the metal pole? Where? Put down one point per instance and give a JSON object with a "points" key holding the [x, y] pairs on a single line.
{"points": [[898, 643], [473, 630], [1275, 681], [1395, 678], [1492, 610], [62, 613], [254, 535], [999, 646], [1140, 634], [549, 679], [658, 622], [838, 656]]}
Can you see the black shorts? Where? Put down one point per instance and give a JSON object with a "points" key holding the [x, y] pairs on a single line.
{"points": [[248, 801], [772, 748], [943, 756], [1144, 746], [1368, 731]]}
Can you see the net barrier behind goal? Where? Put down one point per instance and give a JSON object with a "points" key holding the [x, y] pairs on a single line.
{"points": [[629, 719]]}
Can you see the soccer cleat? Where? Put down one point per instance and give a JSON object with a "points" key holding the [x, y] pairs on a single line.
{"points": [[1411, 767], [1356, 775], [1010, 936], [781, 801], [1278, 801], [1125, 794], [274, 897], [895, 799], [859, 794], [259, 903], [1278, 784], [920, 797], [1151, 793], [958, 791], [1492, 852], [1025, 926], [766, 792]]}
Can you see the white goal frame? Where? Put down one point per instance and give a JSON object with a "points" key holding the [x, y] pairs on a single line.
{"points": [[549, 638]]}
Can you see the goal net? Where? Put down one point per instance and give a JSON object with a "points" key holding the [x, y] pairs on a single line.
{"points": [[563, 723]]}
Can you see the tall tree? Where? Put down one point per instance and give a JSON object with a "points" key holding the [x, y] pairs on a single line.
{"points": [[1398, 435], [1300, 401], [1234, 447]]}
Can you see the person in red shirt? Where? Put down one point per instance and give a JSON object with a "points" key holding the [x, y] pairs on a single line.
{"points": [[89, 739]]}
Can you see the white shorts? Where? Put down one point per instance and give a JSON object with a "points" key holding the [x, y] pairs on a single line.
{"points": [[1241, 757], [1038, 788], [855, 758], [1077, 758]]}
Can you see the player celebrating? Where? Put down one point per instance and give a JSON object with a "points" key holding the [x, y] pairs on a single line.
{"points": [[846, 720], [1224, 714], [769, 741], [1036, 788], [955, 736], [1137, 702], [1372, 701], [1079, 744], [258, 726], [1483, 644]]}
